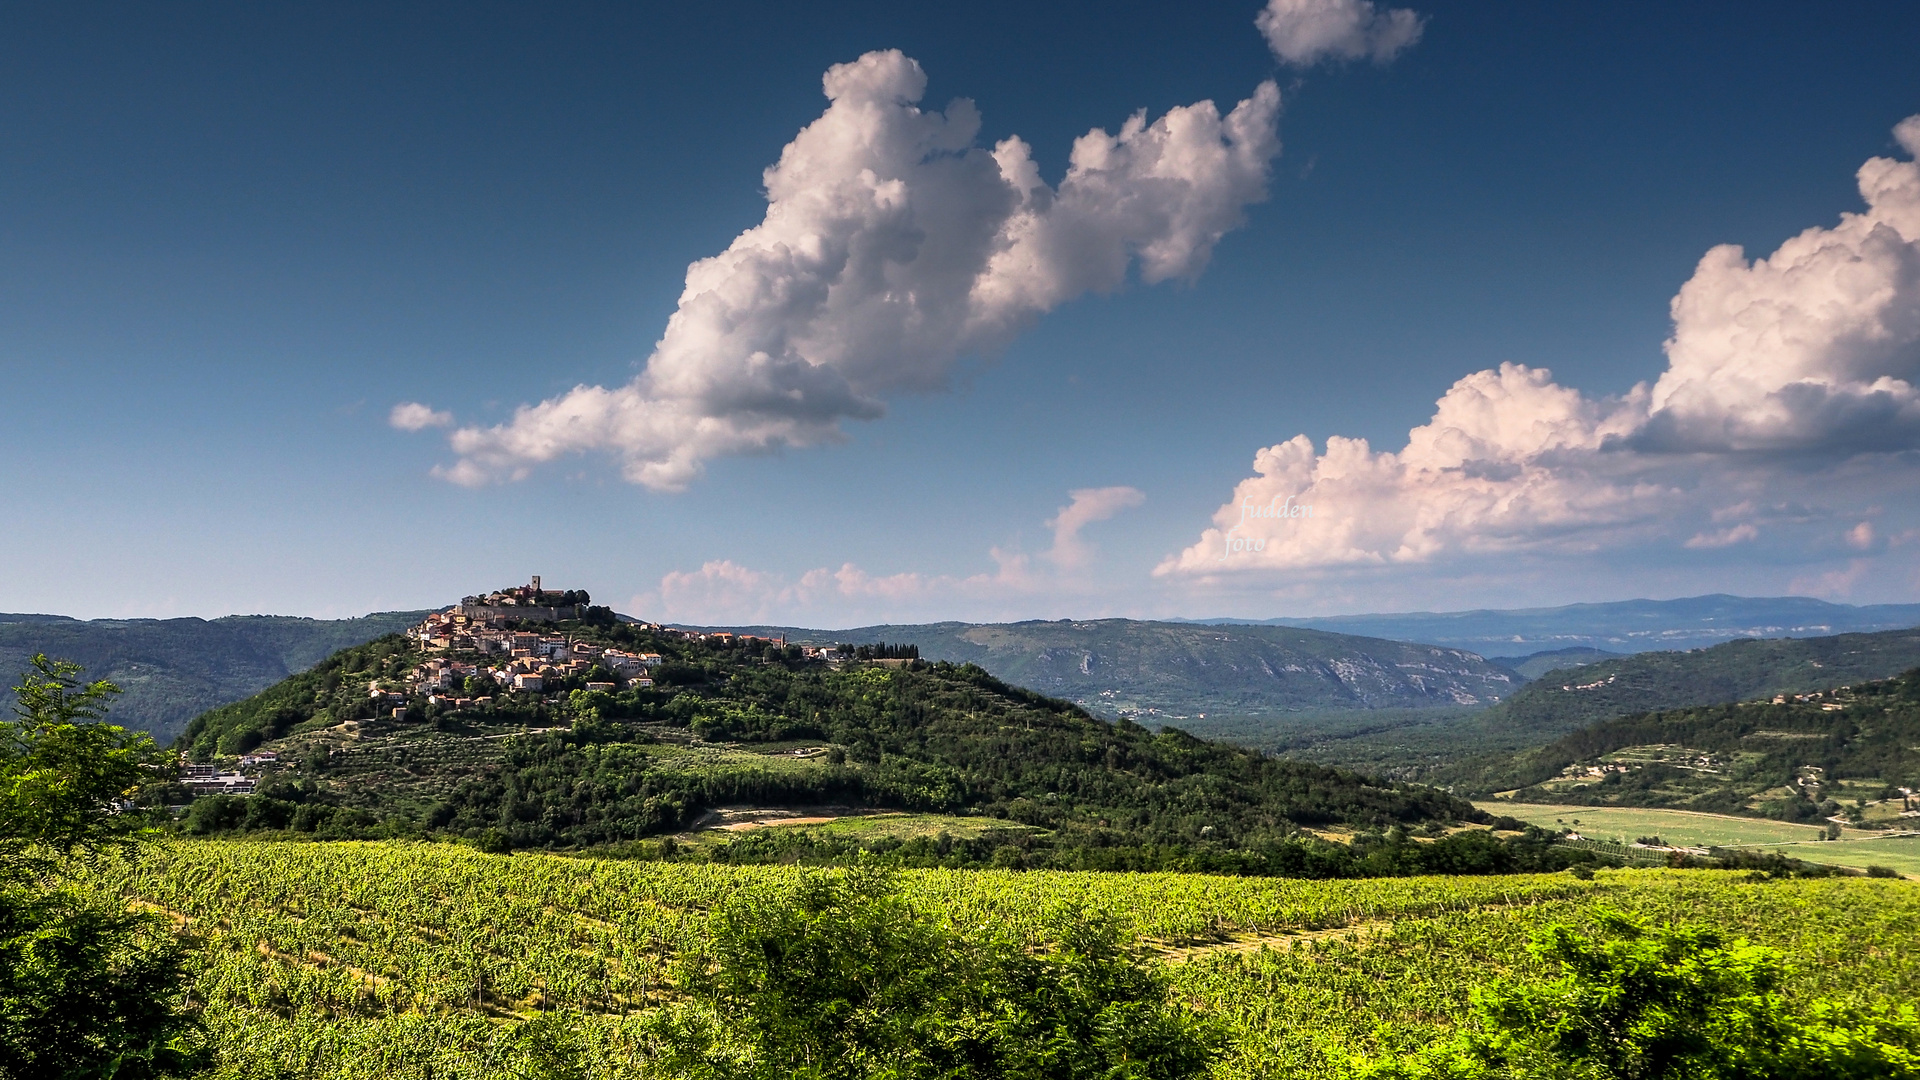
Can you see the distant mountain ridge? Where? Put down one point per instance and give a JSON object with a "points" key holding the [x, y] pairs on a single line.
{"points": [[1538, 664], [1624, 626], [1193, 676], [1460, 750], [1286, 684], [172, 670]]}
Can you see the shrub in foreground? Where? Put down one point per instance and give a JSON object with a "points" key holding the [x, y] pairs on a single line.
{"points": [[844, 980], [1636, 1003]]}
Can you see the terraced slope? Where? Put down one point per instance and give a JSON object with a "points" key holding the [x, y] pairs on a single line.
{"points": [[1843, 752]]}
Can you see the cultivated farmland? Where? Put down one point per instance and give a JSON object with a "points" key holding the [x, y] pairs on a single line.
{"points": [[406, 960]]}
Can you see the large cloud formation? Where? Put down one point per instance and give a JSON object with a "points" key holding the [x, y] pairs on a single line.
{"points": [[893, 246], [1790, 379]]}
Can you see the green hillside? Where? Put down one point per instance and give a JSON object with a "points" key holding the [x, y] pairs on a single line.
{"points": [[174, 669], [1855, 848], [748, 725], [1566, 700], [1807, 758], [1557, 703], [1264, 686]]}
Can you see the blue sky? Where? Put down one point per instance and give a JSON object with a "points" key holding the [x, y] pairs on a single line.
{"points": [[232, 240]]}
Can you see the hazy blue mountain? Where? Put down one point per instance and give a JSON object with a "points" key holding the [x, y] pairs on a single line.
{"points": [[1626, 626], [1537, 664], [172, 670], [1249, 683]]}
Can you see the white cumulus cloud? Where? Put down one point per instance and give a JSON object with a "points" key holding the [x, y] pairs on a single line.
{"points": [[413, 416], [1789, 395], [892, 246], [1815, 346], [1089, 505], [1305, 32], [1509, 458]]}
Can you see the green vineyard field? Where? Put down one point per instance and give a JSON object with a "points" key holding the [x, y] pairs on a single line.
{"points": [[403, 961]]}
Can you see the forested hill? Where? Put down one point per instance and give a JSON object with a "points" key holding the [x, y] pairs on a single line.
{"points": [[171, 670], [1562, 701], [752, 725], [1801, 757]]}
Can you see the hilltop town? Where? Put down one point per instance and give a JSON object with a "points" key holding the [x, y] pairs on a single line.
{"points": [[520, 652], [495, 626]]}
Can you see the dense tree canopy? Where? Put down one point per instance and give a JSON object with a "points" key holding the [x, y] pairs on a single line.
{"points": [[87, 988]]}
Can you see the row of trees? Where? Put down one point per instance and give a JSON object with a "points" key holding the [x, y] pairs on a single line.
{"points": [[881, 651]]}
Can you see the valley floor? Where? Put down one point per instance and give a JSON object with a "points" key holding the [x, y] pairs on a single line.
{"points": [[1856, 849], [406, 960]]}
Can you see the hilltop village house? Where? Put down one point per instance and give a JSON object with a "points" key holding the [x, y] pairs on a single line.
{"points": [[529, 662]]}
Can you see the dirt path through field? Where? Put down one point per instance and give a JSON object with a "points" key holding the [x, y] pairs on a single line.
{"points": [[1251, 943]]}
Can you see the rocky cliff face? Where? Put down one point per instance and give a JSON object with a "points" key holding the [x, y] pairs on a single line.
{"points": [[1118, 665], [1176, 672]]}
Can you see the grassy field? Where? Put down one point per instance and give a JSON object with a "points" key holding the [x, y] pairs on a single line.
{"points": [[1900, 853], [783, 758], [1685, 828], [727, 824], [909, 826], [405, 961], [1689, 829]]}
